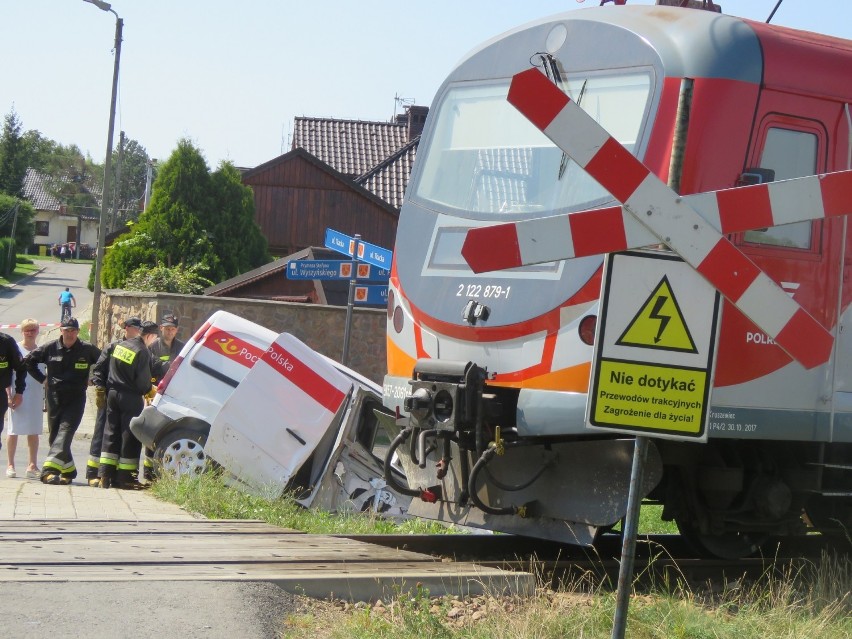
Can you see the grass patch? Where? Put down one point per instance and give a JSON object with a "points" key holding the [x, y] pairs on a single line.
{"points": [[21, 271], [209, 495], [813, 600], [786, 607]]}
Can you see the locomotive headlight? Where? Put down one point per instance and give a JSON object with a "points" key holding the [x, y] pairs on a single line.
{"points": [[587, 329], [556, 38], [398, 319]]}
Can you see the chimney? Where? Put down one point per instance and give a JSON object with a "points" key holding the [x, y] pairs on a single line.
{"points": [[416, 120]]}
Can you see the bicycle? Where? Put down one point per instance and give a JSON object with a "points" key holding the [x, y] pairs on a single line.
{"points": [[66, 312]]}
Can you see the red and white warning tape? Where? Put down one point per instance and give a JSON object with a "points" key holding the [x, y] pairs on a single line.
{"points": [[19, 326], [670, 218]]}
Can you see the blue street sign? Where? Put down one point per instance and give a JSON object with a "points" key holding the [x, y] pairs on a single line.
{"points": [[369, 253], [371, 273], [375, 294], [334, 270], [375, 255], [340, 242], [319, 270]]}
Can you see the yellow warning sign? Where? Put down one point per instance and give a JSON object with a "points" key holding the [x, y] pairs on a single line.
{"points": [[659, 323], [649, 397]]}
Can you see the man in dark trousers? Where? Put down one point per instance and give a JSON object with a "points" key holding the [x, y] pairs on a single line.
{"points": [[164, 349], [68, 361], [132, 328], [128, 380], [10, 362]]}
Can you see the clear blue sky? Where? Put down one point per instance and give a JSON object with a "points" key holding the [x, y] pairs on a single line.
{"points": [[232, 75]]}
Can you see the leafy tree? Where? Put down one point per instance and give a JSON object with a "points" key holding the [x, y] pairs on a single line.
{"points": [[178, 279], [233, 217], [129, 190], [194, 218], [128, 253], [25, 226], [13, 161]]}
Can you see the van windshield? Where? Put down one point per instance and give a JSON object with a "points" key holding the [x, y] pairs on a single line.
{"points": [[485, 160]]}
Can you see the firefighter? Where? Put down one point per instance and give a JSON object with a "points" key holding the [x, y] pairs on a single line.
{"points": [[68, 360], [10, 362], [164, 349], [132, 328], [128, 380]]}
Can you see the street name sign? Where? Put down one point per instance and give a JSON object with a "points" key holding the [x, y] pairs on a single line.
{"points": [[652, 370], [376, 294], [366, 252], [334, 270]]}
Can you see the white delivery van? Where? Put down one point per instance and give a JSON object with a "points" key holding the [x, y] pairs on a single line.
{"points": [[275, 414]]}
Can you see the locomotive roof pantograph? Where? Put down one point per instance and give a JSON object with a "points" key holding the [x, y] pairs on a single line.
{"points": [[670, 218]]}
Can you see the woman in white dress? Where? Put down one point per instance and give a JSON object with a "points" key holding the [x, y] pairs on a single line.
{"points": [[28, 418]]}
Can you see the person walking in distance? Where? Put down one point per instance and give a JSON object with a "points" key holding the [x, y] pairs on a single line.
{"points": [[68, 360], [10, 364], [129, 380], [100, 372], [27, 420], [164, 349], [66, 303]]}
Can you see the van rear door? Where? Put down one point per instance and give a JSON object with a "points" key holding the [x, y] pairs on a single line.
{"points": [[279, 413]]}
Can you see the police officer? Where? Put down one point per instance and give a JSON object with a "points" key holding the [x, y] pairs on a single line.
{"points": [[100, 371], [164, 349], [10, 362], [68, 361], [128, 380]]}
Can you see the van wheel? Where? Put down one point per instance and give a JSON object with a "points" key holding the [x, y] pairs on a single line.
{"points": [[181, 453]]}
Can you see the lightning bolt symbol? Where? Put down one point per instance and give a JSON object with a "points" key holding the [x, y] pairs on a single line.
{"points": [[664, 319]]}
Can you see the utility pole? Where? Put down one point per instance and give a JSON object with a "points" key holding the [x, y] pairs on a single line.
{"points": [[116, 198], [99, 258]]}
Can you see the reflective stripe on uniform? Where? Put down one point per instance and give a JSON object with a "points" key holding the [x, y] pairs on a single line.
{"points": [[128, 464], [124, 354], [49, 463], [108, 459]]}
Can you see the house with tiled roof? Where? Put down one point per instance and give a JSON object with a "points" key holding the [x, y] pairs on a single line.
{"points": [[264, 282], [57, 222], [348, 175]]}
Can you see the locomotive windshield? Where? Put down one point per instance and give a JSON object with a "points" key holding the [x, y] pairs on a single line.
{"points": [[485, 160]]}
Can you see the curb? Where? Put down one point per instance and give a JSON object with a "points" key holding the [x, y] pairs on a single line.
{"points": [[12, 285]]}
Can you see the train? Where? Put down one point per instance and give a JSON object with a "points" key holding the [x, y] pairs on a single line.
{"points": [[488, 373]]}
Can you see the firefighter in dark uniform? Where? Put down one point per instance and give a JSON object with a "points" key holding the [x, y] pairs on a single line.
{"points": [[128, 380], [10, 362], [164, 349], [100, 371], [68, 361]]}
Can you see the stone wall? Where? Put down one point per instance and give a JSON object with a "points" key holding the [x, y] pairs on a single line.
{"points": [[320, 327]]}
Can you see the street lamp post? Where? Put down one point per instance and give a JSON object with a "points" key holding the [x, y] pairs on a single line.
{"points": [[99, 257]]}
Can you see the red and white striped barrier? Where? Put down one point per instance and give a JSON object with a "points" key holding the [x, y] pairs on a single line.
{"points": [[669, 218], [614, 229]]}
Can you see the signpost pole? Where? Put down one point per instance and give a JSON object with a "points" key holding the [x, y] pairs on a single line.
{"points": [[628, 544], [347, 329]]}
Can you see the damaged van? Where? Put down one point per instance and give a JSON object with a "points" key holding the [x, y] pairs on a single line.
{"points": [[275, 415]]}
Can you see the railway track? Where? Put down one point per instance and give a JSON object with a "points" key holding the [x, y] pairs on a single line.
{"points": [[658, 557]]}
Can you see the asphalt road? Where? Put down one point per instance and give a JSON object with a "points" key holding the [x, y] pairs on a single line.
{"points": [[249, 610], [38, 297]]}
